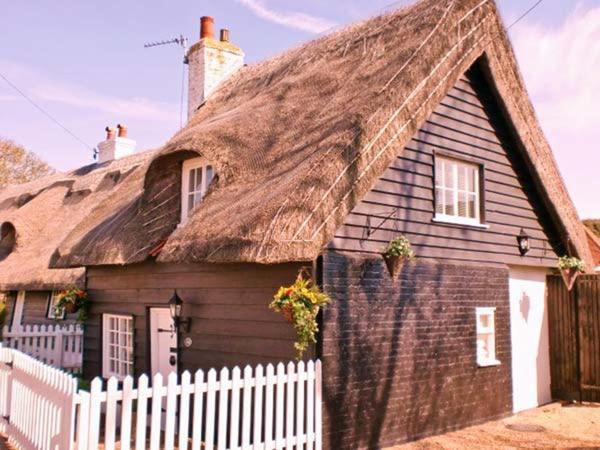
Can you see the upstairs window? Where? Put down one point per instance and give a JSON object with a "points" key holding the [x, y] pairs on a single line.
{"points": [[457, 191], [196, 178]]}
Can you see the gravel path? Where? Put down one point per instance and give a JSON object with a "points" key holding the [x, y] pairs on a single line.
{"points": [[553, 426]]}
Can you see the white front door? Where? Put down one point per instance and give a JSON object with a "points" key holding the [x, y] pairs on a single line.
{"points": [[529, 337], [163, 343]]}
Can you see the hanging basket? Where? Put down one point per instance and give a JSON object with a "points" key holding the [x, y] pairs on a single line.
{"points": [[288, 313], [569, 276], [70, 308], [394, 265]]}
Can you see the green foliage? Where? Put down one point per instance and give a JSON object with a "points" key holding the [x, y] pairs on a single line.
{"points": [[17, 165], [571, 262], [72, 298], [2, 311], [399, 247], [300, 304]]}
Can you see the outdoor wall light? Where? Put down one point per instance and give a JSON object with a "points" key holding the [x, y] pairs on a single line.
{"points": [[523, 242], [175, 306]]}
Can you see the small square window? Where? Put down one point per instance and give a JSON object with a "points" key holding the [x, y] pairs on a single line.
{"points": [[117, 347], [486, 337], [457, 192]]}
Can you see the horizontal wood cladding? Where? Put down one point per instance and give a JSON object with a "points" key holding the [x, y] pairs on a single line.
{"points": [[466, 125], [399, 358], [228, 305]]}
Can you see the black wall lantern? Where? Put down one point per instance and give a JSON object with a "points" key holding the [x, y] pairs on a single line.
{"points": [[175, 306], [523, 242]]}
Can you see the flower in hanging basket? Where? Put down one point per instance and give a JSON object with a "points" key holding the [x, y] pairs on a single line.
{"points": [[570, 267], [72, 300], [396, 254], [299, 304]]}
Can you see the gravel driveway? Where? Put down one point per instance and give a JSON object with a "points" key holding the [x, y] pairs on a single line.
{"points": [[553, 426]]}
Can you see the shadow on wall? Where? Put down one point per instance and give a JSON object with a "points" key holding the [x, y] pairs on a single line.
{"points": [[399, 358]]}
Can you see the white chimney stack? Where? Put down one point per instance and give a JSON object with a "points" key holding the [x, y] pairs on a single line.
{"points": [[210, 61], [116, 145]]}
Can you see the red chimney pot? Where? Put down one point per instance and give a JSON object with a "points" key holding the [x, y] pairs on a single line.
{"points": [[207, 27], [122, 130], [110, 133]]}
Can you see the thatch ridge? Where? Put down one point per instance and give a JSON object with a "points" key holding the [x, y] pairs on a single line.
{"points": [[45, 211], [299, 139]]}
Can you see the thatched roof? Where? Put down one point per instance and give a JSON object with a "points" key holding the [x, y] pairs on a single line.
{"points": [[299, 139], [44, 211], [594, 243]]}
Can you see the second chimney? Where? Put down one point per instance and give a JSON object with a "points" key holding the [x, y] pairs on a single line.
{"points": [[115, 147], [210, 62]]}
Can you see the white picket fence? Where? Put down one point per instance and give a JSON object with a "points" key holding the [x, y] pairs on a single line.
{"points": [[261, 408], [37, 403], [60, 346]]}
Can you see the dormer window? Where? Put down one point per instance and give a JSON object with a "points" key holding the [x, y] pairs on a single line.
{"points": [[196, 178]]}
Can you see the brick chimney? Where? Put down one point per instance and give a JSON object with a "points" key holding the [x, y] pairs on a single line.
{"points": [[210, 62], [116, 145]]}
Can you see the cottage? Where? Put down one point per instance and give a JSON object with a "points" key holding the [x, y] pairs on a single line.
{"points": [[35, 217], [413, 123]]}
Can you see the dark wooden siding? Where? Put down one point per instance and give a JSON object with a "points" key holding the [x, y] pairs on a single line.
{"points": [[466, 125], [35, 308], [228, 304]]}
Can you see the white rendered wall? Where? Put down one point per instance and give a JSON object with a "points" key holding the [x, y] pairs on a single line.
{"points": [[529, 337]]}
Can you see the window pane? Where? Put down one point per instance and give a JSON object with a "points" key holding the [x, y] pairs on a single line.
{"points": [[449, 202], [449, 174], [439, 171], [473, 206], [439, 201], [192, 181], [462, 204], [473, 182], [198, 186], [209, 175], [462, 177]]}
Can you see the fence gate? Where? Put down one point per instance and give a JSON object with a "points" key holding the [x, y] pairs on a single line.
{"points": [[37, 403], [574, 325]]}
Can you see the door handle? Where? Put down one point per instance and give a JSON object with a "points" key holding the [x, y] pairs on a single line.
{"points": [[172, 360]]}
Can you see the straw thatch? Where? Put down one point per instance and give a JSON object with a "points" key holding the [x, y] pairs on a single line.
{"points": [[299, 139], [594, 244], [44, 211]]}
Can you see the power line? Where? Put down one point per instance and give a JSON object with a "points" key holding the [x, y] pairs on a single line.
{"points": [[525, 14], [46, 113]]}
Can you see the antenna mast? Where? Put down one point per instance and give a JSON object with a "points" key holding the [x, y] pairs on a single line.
{"points": [[183, 43]]}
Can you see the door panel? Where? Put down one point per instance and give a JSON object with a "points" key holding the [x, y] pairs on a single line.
{"points": [[529, 337], [163, 342]]}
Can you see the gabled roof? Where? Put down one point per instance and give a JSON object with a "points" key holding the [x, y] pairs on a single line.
{"points": [[44, 211], [594, 243], [299, 139]]}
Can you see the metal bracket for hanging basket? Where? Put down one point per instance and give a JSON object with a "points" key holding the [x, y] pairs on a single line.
{"points": [[394, 265], [569, 276]]}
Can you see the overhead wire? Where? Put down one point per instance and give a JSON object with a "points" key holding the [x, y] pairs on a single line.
{"points": [[46, 113]]}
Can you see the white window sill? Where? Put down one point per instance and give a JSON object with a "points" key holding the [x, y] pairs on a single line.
{"points": [[459, 221], [488, 363]]}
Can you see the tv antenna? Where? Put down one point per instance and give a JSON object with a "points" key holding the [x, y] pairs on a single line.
{"points": [[183, 43]]}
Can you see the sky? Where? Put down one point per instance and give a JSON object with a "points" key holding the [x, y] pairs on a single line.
{"points": [[85, 63]]}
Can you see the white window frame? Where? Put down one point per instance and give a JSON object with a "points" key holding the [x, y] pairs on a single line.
{"points": [[439, 184], [118, 373], [489, 334], [53, 300], [188, 166]]}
